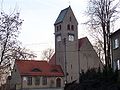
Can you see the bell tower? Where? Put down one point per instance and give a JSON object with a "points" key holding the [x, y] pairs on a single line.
{"points": [[66, 44]]}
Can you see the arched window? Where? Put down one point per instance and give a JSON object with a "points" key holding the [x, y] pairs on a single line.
{"points": [[70, 19], [58, 82], [57, 28], [68, 27], [72, 27], [71, 37], [60, 27], [58, 37]]}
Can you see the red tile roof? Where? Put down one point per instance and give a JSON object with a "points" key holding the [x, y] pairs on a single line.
{"points": [[41, 68], [52, 60], [80, 42]]}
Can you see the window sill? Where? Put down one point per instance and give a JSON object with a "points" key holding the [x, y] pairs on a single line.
{"points": [[115, 48]]}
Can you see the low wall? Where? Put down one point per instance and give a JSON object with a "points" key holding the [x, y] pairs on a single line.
{"points": [[45, 89]]}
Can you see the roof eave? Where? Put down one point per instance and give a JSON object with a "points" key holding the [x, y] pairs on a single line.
{"points": [[58, 23]]}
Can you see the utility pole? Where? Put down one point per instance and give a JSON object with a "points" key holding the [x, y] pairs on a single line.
{"points": [[79, 62], [65, 62]]}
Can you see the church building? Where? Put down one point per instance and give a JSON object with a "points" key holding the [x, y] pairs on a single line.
{"points": [[71, 53]]}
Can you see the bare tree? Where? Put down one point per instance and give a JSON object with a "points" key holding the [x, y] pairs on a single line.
{"points": [[47, 54], [98, 42], [19, 53], [102, 14], [10, 47], [9, 29]]}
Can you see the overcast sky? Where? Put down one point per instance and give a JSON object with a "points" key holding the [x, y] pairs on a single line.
{"points": [[39, 16]]}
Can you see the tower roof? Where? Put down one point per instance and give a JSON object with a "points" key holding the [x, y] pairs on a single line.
{"points": [[62, 15]]}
